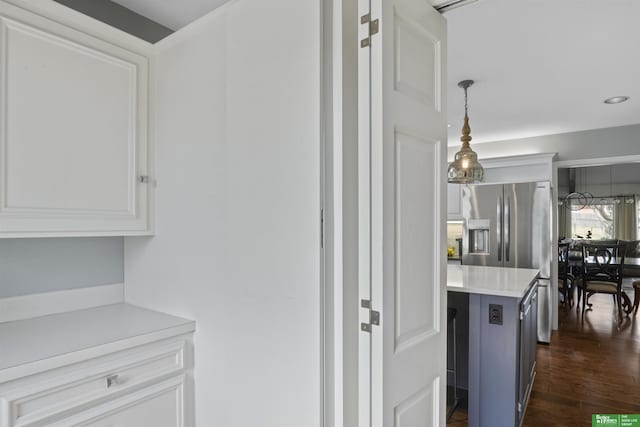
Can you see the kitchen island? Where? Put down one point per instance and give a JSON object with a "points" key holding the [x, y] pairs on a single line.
{"points": [[498, 281], [497, 314]]}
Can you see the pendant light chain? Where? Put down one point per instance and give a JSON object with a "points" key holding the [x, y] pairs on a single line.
{"points": [[466, 107]]}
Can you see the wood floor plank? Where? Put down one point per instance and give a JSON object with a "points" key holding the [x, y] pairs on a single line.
{"points": [[591, 366]]}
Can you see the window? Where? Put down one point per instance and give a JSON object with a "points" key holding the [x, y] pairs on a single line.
{"points": [[596, 218], [637, 200]]}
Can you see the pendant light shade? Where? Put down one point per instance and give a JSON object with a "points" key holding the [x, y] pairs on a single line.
{"points": [[465, 168]]}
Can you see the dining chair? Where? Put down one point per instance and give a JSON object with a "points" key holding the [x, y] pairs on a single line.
{"points": [[636, 296], [566, 280], [602, 271]]}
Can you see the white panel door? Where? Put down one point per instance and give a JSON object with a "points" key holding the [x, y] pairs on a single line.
{"points": [[408, 134], [73, 144]]}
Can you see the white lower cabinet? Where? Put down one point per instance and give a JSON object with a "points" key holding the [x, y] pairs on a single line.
{"points": [[145, 386], [160, 405]]}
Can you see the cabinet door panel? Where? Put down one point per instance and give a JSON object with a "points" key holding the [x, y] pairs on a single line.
{"points": [[160, 405], [70, 130], [454, 201], [160, 410], [533, 337], [73, 111]]}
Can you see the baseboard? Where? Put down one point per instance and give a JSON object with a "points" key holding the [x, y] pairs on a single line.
{"points": [[463, 397], [43, 304]]}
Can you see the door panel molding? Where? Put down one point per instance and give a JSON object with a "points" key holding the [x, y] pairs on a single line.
{"points": [[419, 407], [418, 154], [407, 75]]}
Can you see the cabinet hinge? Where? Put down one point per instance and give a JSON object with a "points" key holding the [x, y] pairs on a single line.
{"points": [[374, 27], [374, 316], [144, 179]]}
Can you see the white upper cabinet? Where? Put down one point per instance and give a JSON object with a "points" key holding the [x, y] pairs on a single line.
{"points": [[522, 168], [73, 146]]}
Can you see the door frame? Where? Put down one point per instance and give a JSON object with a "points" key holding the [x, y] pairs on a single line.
{"points": [[339, 255], [331, 203], [575, 163]]}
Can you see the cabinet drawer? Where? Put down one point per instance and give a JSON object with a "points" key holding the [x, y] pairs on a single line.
{"points": [[40, 403], [159, 405]]}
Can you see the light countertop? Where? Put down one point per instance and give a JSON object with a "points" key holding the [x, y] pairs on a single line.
{"points": [[28, 341], [499, 281]]}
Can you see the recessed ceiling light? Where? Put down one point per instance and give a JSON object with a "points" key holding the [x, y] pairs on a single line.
{"points": [[616, 100]]}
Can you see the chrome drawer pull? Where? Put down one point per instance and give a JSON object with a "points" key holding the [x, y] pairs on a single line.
{"points": [[112, 380]]}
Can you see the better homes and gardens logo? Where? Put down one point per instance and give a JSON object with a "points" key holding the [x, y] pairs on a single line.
{"points": [[617, 420], [605, 420]]}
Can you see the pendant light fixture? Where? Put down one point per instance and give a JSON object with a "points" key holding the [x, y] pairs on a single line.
{"points": [[465, 168]]}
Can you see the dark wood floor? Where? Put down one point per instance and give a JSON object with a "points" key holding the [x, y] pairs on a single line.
{"points": [[591, 366]]}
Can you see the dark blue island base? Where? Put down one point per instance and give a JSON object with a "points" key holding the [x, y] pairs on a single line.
{"points": [[496, 343]]}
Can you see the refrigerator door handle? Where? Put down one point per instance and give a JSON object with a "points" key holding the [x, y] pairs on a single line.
{"points": [[507, 229], [499, 228]]}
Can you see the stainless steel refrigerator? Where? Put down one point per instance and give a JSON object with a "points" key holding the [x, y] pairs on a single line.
{"points": [[508, 225]]}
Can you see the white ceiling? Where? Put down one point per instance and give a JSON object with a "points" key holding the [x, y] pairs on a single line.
{"points": [[175, 14], [541, 66]]}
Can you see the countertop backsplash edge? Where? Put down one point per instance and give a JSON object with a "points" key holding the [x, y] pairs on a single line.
{"points": [[46, 303]]}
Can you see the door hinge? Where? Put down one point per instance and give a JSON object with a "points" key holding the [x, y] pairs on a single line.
{"points": [[144, 179], [374, 27], [519, 407], [374, 316], [522, 315]]}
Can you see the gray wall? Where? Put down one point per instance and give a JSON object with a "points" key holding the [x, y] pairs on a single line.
{"points": [[30, 266], [120, 17], [591, 144]]}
